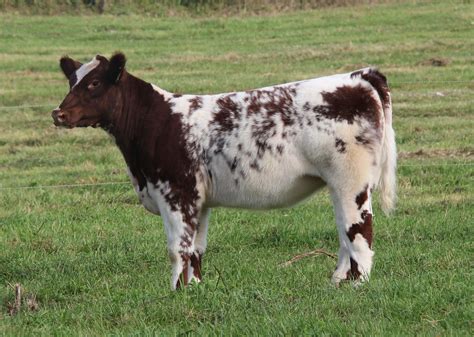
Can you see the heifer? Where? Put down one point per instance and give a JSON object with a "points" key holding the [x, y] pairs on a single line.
{"points": [[260, 149]]}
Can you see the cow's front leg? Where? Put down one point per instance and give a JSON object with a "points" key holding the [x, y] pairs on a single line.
{"points": [[200, 244], [181, 233], [181, 219]]}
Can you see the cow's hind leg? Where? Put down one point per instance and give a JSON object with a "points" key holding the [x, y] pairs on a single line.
{"points": [[354, 221]]}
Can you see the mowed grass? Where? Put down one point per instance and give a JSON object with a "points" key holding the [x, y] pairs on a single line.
{"points": [[96, 260]]}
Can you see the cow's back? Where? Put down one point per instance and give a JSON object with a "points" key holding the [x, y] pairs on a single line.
{"points": [[273, 146]]}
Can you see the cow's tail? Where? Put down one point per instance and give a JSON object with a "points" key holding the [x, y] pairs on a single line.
{"points": [[388, 181], [388, 178]]}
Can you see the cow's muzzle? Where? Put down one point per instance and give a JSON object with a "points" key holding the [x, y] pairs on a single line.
{"points": [[59, 117]]}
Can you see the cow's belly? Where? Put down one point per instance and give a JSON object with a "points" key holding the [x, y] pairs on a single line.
{"points": [[273, 186]]}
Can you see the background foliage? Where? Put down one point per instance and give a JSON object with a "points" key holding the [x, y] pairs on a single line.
{"points": [[170, 7]]}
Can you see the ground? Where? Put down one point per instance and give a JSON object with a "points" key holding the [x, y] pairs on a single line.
{"points": [[96, 260]]}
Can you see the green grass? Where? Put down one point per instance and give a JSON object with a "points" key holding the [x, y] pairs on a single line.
{"points": [[96, 260]]}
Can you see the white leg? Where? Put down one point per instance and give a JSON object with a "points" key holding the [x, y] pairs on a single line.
{"points": [[200, 244], [180, 247], [354, 220], [343, 263], [180, 219]]}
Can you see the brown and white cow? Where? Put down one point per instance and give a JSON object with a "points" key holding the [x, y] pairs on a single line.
{"points": [[259, 149]]}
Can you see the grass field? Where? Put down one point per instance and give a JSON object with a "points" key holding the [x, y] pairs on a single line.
{"points": [[96, 260]]}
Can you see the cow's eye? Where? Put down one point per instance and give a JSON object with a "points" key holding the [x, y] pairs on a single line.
{"points": [[94, 84]]}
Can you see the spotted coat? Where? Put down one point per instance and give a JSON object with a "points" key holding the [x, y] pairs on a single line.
{"points": [[258, 149]]}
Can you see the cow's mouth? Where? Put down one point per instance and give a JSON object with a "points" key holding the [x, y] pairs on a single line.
{"points": [[62, 121]]}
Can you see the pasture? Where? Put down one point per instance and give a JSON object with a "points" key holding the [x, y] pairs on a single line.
{"points": [[73, 234]]}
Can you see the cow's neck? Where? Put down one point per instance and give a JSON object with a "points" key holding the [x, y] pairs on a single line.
{"points": [[131, 106], [140, 117]]}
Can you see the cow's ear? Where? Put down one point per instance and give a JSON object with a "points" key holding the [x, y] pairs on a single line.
{"points": [[116, 67], [69, 66]]}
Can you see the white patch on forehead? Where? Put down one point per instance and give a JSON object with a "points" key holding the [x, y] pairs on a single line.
{"points": [[85, 69]]}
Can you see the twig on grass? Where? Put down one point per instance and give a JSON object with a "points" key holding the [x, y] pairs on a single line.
{"points": [[308, 254], [14, 308], [221, 278]]}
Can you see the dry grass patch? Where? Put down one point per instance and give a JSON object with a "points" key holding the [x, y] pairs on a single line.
{"points": [[466, 153]]}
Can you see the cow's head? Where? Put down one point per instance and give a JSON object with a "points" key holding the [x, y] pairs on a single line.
{"points": [[94, 91]]}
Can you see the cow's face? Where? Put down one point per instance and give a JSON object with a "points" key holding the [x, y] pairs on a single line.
{"points": [[94, 91]]}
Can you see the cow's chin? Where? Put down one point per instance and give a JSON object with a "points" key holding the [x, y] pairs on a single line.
{"points": [[85, 122]]}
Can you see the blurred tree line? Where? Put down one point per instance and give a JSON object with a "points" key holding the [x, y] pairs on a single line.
{"points": [[161, 7]]}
